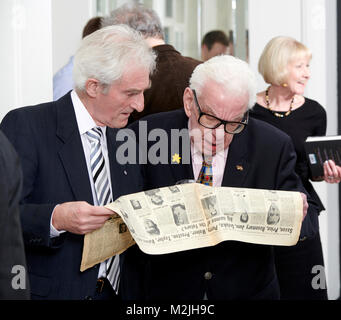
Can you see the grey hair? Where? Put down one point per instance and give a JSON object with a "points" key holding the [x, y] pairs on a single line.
{"points": [[107, 53], [138, 17], [232, 73]]}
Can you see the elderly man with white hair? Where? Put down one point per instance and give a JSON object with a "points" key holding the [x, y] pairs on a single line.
{"points": [[224, 148], [67, 150]]}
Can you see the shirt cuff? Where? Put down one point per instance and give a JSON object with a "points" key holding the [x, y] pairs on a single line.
{"points": [[53, 231]]}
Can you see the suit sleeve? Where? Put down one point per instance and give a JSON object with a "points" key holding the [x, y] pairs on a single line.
{"points": [[35, 217], [287, 179], [11, 242]]}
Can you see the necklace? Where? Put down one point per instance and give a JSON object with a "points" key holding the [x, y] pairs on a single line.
{"points": [[279, 115]]}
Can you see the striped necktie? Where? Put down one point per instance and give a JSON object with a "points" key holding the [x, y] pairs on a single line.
{"points": [[103, 194], [205, 176]]}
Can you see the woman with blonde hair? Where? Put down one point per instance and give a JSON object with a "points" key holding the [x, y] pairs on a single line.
{"points": [[285, 66]]}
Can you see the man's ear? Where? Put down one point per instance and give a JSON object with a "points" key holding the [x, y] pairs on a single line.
{"points": [[204, 52], [188, 101], [92, 87]]}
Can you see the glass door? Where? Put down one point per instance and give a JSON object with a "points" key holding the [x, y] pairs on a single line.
{"points": [[185, 22]]}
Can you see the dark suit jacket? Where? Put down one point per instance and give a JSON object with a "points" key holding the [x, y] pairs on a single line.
{"points": [[47, 140], [239, 270], [12, 252], [168, 82]]}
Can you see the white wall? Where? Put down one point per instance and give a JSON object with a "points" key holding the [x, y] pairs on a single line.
{"points": [[68, 21], [241, 26], [321, 23], [312, 22], [25, 55], [267, 19], [38, 38]]}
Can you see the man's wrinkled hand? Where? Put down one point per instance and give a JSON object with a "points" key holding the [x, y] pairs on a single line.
{"points": [[79, 217]]}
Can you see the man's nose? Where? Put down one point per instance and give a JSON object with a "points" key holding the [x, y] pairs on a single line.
{"points": [[138, 103], [219, 133]]}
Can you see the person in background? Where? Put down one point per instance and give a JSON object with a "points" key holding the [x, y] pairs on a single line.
{"points": [[214, 43], [172, 69], [284, 65], [62, 80], [68, 153], [12, 253]]}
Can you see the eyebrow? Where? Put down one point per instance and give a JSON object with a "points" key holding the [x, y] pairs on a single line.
{"points": [[131, 90], [213, 113], [234, 120]]}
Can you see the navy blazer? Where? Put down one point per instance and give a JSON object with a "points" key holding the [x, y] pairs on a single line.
{"points": [[231, 269], [48, 142]]}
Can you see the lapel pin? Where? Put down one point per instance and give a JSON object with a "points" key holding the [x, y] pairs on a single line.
{"points": [[125, 172], [239, 168], [176, 158]]}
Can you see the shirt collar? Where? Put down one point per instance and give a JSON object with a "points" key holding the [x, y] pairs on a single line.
{"points": [[83, 117]]}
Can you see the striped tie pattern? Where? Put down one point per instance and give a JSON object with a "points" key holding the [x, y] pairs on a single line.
{"points": [[103, 194], [205, 176]]}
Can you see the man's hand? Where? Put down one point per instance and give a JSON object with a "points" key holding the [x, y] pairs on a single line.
{"points": [[305, 204], [79, 217]]}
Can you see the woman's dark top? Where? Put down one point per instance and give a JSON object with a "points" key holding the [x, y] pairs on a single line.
{"points": [[308, 120]]}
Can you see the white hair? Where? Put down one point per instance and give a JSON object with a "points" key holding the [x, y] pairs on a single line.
{"points": [[232, 73], [138, 17], [107, 53], [276, 57]]}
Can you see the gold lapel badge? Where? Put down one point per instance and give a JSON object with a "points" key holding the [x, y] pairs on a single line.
{"points": [[239, 168], [176, 158]]}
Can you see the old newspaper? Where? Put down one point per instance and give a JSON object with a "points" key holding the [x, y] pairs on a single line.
{"points": [[189, 216]]}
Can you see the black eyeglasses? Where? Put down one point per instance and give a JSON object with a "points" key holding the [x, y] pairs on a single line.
{"points": [[211, 122]]}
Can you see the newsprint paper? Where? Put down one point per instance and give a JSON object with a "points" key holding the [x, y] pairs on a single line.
{"points": [[189, 216]]}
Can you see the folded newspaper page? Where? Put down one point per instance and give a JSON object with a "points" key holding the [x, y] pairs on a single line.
{"points": [[189, 216], [113, 238]]}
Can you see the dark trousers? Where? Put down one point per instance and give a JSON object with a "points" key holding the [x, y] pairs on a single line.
{"points": [[294, 267]]}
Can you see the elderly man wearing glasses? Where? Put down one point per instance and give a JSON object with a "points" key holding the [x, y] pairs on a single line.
{"points": [[225, 148]]}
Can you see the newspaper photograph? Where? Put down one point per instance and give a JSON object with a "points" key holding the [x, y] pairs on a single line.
{"points": [[188, 216]]}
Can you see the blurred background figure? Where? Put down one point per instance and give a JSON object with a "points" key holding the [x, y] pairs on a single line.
{"points": [[173, 70], [214, 43], [284, 65], [62, 80], [13, 285]]}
